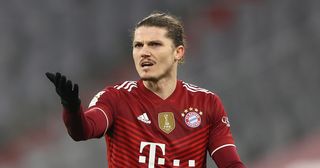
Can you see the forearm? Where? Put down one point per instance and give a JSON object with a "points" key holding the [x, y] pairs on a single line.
{"points": [[84, 125], [92, 123]]}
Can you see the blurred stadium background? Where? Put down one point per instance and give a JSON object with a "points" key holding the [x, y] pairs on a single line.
{"points": [[260, 56]]}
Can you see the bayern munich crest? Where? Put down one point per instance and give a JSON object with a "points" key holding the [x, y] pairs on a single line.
{"points": [[192, 117]]}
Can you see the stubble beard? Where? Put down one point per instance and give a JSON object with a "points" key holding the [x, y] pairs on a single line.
{"points": [[159, 77], [149, 79]]}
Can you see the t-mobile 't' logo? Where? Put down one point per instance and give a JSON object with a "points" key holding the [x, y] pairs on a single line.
{"points": [[152, 155]]}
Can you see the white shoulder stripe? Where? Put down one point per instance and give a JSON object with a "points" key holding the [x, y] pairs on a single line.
{"points": [[118, 87], [132, 86], [127, 85], [194, 88], [197, 89], [222, 146], [95, 98]]}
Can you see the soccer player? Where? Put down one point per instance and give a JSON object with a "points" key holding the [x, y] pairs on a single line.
{"points": [[158, 120]]}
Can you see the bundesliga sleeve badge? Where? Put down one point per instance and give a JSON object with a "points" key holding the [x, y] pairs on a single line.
{"points": [[192, 117]]}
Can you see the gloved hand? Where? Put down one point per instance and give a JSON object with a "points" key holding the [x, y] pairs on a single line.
{"points": [[68, 92]]}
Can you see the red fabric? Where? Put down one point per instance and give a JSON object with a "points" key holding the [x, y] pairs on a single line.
{"points": [[220, 133], [227, 157], [182, 127], [85, 125]]}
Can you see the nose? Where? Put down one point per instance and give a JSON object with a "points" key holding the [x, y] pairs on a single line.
{"points": [[144, 53]]}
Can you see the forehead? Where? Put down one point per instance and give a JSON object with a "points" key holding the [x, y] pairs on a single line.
{"points": [[145, 33]]}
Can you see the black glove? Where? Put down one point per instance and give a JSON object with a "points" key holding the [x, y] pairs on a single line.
{"points": [[68, 92]]}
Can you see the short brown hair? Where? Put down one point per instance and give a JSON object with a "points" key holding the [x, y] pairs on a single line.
{"points": [[170, 22]]}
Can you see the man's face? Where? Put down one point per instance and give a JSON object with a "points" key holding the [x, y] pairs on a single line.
{"points": [[154, 54]]}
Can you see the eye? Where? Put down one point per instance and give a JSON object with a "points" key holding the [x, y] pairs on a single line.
{"points": [[138, 45], [154, 44]]}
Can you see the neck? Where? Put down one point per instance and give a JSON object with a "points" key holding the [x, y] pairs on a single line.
{"points": [[163, 87]]}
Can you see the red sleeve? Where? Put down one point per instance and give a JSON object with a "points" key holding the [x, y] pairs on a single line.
{"points": [[220, 133], [227, 158], [92, 123], [221, 143]]}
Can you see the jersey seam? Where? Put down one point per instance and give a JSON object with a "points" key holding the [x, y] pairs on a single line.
{"points": [[220, 147], [105, 117]]}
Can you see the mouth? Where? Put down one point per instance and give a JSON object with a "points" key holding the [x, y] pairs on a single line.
{"points": [[147, 63]]}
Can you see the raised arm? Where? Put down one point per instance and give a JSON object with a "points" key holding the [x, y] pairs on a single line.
{"points": [[80, 125]]}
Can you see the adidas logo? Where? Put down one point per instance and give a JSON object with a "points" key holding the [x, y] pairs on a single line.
{"points": [[144, 118]]}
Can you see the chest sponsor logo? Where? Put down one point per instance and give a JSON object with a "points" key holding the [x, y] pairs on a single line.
{"points": [[192, 117], [166, 122], [155, 156]]}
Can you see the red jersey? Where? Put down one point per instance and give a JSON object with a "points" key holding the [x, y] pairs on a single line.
{"points": [[143, 130]]}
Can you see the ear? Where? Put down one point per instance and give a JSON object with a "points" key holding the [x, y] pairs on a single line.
{"points": [[179, 53]]}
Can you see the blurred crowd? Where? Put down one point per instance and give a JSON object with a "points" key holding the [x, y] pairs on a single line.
{"points": [[259, 56]]}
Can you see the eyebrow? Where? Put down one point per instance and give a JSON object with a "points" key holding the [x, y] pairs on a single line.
{"points": [[148, 42]]}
